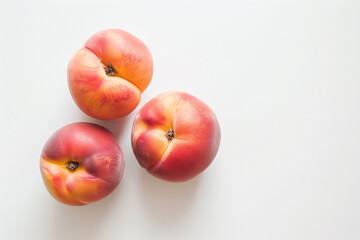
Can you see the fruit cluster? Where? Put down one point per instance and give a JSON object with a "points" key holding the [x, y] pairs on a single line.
{"points": [[175, 136]]}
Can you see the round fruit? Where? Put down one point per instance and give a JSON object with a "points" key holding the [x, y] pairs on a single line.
{"points": [[175, 136], [81, 163], [108, 74]]}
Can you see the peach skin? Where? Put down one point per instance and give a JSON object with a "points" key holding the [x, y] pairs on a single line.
{"points": [[175, 136], [108, 74], [81, 163]]}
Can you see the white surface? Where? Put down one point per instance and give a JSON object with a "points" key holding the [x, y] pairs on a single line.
{"points": [[282, 76]]}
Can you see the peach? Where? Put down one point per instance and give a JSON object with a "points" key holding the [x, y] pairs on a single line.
{"points": [[81, 163], [108, 74], [175, 136]]}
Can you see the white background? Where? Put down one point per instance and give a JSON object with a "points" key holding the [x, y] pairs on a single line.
{"points": [[283, 78]]}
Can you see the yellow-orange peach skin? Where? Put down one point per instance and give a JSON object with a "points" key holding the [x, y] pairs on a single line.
{"points": [[108, 74], [81, 163], [175, 136]]}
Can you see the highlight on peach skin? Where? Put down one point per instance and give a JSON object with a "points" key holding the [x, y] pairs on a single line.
{"points": [[175, 136], [108, 74], [81, 163]]}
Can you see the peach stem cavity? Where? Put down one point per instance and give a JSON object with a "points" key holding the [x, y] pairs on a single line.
{"points": [[170, 134], [72, 166], [109, 70]]}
